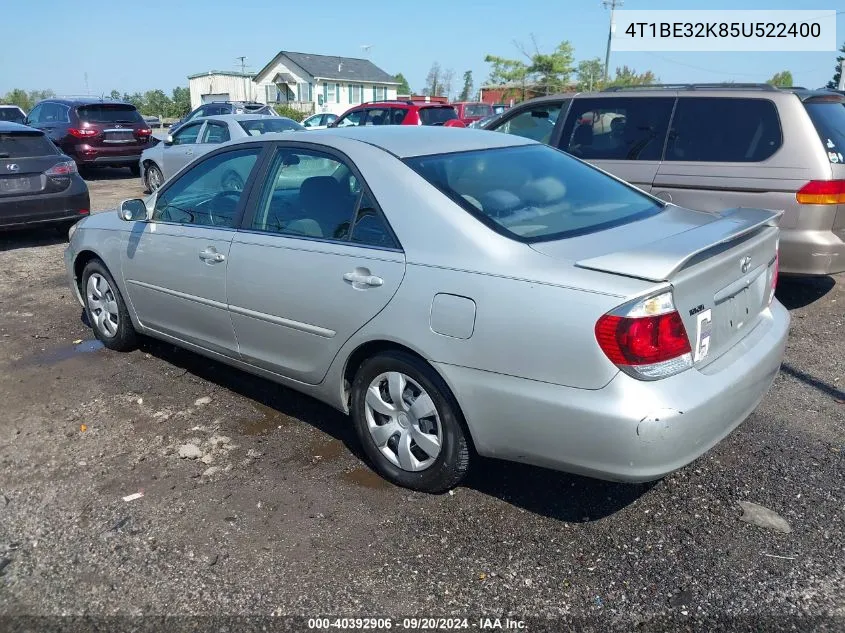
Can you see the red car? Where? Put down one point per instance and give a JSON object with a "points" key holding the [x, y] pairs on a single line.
{"points": [[400, 113], [469, 111]]}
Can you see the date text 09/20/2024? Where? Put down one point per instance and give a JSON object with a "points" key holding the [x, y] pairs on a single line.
{"points": [[415, 624]]}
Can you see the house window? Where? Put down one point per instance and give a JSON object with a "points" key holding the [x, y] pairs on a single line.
{"points": [[356, 93], [304, 92], [379, 93], [332, 93]]}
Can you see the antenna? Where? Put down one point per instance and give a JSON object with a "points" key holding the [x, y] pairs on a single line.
{"points": [[611, 4], [87, 92], [242, 59], [365, 48]]}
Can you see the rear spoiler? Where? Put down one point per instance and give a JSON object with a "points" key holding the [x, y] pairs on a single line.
{"points": [[659, 260]]}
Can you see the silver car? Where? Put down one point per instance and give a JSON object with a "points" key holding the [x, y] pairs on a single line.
{"points": [[456, 292], [201, 135]]}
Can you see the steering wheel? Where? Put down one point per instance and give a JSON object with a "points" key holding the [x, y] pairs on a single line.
{"points": [[221, 219]]}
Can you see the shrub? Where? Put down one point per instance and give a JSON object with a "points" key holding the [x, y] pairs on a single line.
{"points": [[289, 112]]}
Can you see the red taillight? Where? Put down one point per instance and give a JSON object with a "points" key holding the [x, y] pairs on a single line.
{"points": [[822, 192], [82, 132], [144, 132], [647, 339], [62, 169], [83, 212]]}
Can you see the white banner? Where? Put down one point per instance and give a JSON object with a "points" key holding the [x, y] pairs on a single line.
{"points": [[670, 30]]}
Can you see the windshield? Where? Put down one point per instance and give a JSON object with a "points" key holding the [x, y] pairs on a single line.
{"points": [[109, 113], [534, 193], [478, 109], [437, 116], [829, 120], [25, 145], [269, 125], [11, 114]]}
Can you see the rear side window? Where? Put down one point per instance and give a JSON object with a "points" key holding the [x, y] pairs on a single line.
{"points": [[829, 120], [617, 129], [437, 116], [25, 145], [109, 113], [11, 114], [718, 130], [478, 109]]}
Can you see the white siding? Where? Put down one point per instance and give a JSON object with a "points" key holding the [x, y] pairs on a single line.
{"points": [[238, 88]]}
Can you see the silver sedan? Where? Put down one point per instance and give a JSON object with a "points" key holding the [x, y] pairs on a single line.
{"points": [[202, 135], [456, 292]]}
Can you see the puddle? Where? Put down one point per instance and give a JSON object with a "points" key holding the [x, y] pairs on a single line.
{"points": [[366, 478], [325, 450], [268, 420], [59, 354]]}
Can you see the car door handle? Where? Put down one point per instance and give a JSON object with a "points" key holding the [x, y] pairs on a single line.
{"points": [[210, 255], [361, 278]]}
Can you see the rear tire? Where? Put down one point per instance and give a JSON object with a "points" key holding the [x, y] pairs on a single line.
{"points": [[409, 423], [105, 308], [153, 178]]}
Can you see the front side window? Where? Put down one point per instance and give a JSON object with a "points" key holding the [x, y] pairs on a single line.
{"points": [[626, 128], [308, 194], [536, 123], [351, 119], [534, 193], [706, 129], [209, 193], [188, 134], [35, 114], [270, 125], [215, 133]]}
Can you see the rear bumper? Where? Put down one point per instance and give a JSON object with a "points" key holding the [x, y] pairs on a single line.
{"points": [[41, 209], [629, 430], [103, 156], [804, 252]]}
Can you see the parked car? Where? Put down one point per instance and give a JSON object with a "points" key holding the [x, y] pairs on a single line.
{"points": [[498, 108], [469, 111], [218, 108], [152, 121], [94, 132], [399, 113], [715, 146], [39, 186], [480, 123], [451, 290], [202, 135], [319, 121], [12, 113]]}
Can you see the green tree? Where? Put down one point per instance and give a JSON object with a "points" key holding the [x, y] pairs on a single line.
{"points": [[114, 95], [181, 102], [136, 99], [834, 83], [19, 98], [466, 91], [590, 74], [403, 88], [629, 77], [38, 95], [156, 103], [783, 78], [553, 70]]}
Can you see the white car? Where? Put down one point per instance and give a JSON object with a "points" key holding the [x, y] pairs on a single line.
{"points": [[195, 138], [319, 121], [12, 113]]}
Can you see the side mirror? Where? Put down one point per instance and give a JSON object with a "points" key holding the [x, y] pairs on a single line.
{"points": [[132, 210], [169, 140]]}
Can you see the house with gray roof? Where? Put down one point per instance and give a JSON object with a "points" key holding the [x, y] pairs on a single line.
{"points": [[322, 83]]}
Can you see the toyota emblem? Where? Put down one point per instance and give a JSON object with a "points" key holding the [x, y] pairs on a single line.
{"points": [[745, 263], [13, 167]]}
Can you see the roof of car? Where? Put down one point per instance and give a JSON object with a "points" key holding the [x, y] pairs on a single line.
{"points": [[83, 101], [9, 126], [405, 141], [402, 102], [242, 117], [10, 105]]}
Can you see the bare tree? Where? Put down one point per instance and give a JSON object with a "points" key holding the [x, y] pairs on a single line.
{"points": [[433, 81], [447, 81]]}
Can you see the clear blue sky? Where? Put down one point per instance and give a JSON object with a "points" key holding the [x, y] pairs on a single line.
{"points": [[156, 43]]}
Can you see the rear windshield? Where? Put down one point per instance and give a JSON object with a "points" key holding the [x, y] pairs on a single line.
{"points": [[269, 125], [11, 114], [478, 109], [437, 116], [25, 145], [109, 113], [829, 119], [534, 193]]}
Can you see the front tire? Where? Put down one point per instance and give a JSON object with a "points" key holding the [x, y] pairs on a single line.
{"points": [[409, 423], [106, 309]]}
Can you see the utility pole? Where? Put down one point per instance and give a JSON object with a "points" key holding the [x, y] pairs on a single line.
{"points": [[242, 60], [612, 4]]}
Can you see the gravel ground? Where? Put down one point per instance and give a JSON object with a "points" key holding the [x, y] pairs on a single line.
{"points": [[256, 500]]}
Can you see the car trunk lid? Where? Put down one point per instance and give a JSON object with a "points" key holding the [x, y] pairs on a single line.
{"points": [[720, 266]]}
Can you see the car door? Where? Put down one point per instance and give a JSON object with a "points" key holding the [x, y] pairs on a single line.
{"points": [[300, 282], [183, 148], [174, 265], [622, 135]]}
